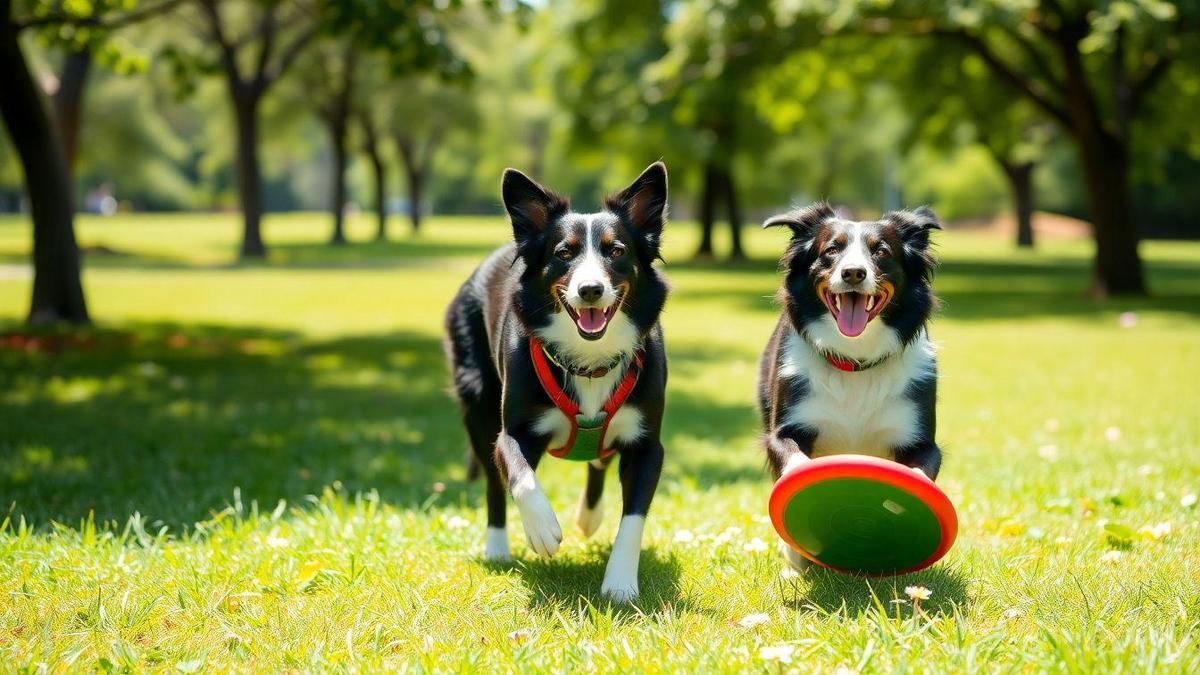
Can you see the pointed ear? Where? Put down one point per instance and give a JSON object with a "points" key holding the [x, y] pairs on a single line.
{"points": [[802, 222], [531, 207], [644, 205]]}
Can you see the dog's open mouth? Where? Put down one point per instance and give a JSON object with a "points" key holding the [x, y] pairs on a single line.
{"points": [[853, 311], [592, 321]]}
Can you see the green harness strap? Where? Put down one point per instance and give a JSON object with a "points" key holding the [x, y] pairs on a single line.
{"points": [[586, 441]]}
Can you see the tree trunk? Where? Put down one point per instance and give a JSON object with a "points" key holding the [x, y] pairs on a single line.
{"points": [[415, 165], [379, 172], [708, 202], [1104, 156], [1020, 181], [57, 291], [68, 101], [416, 188], [735, 215], [1118, 266], [249, 178], [337, 136]]}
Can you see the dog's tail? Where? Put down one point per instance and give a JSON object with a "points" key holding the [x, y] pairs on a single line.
{"points": [[472, 467]]}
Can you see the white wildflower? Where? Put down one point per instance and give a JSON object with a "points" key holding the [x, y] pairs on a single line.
{"points": [[918, 593]]}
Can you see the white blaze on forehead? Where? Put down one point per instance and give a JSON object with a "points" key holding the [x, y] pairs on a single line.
{"points": [[856, 254], [590, 268]]}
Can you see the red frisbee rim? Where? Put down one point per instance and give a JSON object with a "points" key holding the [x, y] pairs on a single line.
{"points": [[866, 467]]}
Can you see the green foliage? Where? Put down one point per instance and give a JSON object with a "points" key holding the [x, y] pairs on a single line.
{"points": [[962, 184], [259, 481]]}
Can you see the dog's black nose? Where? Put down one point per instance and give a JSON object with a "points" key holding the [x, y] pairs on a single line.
{"points": [[591, 291], [854, 275]]}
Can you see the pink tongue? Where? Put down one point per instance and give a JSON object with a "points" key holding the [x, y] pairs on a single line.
{"points": [[852, 320], [592, 320]]}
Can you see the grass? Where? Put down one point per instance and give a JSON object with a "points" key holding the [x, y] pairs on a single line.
{"points": [[257, 468]]}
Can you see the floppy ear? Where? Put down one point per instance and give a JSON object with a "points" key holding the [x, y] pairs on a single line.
{"points": [[644, 205], [914, 227], [802, 222], [531, 207]]}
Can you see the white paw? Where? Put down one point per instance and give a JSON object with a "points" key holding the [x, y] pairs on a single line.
{"points": [[587, 519], [495, 545], [920, 471], [537, 516], [621, 574], [619, 590], [794, 559], [794, 462]]}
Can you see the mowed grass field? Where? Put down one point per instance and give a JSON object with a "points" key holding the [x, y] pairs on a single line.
{"points": [[258, 468]]}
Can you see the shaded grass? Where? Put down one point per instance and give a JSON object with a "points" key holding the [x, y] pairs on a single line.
{"points": [[257, 467]]}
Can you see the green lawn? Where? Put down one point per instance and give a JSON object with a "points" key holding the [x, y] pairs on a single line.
{"points": [[258, 468]]}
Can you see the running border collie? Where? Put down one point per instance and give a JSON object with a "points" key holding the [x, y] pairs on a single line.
{"points": [[850, 367], [583, 288]]}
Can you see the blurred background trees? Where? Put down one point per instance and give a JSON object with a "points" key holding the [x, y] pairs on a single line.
{"points": [[987, 110]]}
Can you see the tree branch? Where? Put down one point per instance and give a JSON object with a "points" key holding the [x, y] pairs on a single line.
{"points": [[228, 55], [1035, 56], [60, 18], [1007, 73], [1147, 79], [266, 31], [287, 55]]}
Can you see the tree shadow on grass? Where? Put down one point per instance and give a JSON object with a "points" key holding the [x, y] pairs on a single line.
{"points": [[169, 420], [833, 592], [392, 254], [559, 583]]}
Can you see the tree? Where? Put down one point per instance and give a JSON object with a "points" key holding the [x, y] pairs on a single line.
{"points": [[951, 94], [423, 110], [1089, 65], [255, 44], [373, 147], [680, 74], [57, 290], [329, 81]]}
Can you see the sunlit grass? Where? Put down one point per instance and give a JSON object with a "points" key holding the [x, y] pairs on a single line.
{"points": [[257, 467]]}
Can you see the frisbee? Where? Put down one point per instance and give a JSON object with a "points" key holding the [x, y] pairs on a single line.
{"points": [[863, 515]]}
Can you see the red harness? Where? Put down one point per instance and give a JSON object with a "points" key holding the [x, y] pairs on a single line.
{"points": [[541, 365]]}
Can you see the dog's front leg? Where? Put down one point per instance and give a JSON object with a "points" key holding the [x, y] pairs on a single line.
{"points": [[640, 469], [789, 447], [924, 456], [517, 458]]}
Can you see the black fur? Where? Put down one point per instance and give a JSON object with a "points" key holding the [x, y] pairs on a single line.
{"points": [[519, 290], [900, 260]]}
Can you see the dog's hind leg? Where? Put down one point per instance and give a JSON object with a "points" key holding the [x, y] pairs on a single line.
{"points": [[483, 424], [589, 512], [477, 386]]}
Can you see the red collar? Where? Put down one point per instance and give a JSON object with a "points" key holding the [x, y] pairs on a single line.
{"points": [[848, 365]]}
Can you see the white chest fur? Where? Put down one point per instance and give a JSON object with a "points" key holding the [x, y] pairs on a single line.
{"points": [[591, 393], [865, 412]]}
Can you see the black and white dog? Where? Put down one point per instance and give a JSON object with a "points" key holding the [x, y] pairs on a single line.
{"points": [[850, 367], [558, 333]]}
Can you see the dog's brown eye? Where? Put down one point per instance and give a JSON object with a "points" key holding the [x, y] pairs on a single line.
{"points": [[564, 254], [831, 250], [882, 252], [617, 251]]}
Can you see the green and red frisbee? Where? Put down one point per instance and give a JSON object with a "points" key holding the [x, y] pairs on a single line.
{"points": [[863, 515]]}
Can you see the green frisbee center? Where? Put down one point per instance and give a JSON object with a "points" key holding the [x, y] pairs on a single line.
{"points": [[862, 525]]}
